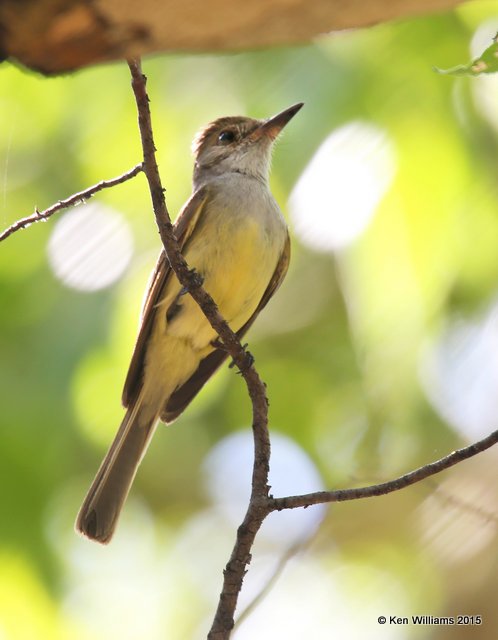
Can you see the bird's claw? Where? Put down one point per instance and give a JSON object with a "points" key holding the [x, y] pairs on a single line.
{"points": [[218, 344], [195, 280], [248, 360]]}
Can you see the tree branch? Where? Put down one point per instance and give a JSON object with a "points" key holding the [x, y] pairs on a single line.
{"points": [[261, 503], [258, 505], [76, 198], [341, 495]]}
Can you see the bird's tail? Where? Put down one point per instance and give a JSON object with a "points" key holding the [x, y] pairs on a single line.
{"points": [[100, 510]]}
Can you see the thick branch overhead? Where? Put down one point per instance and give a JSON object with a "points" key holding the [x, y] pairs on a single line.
{"points": [[53, 36]]}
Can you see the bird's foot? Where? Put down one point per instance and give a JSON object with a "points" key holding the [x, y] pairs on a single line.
{"points": [[195, 280], [248, 361]]}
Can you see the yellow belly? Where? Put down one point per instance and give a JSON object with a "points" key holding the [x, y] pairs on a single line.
{"points": [[237, 257], [236, 276]]}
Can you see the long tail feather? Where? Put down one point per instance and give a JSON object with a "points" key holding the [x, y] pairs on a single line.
{"points": [[100, 511]]}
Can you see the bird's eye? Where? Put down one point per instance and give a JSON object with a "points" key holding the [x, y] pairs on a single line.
{"points": [[226, 136]]}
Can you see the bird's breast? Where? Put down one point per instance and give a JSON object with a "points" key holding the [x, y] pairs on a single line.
{"points": [[236, 246]]}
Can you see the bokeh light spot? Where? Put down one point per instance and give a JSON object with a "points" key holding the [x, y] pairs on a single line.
{"points": [[485, 86], [311, 601], [228, 469], [454, 521], [459, 373], [338, 192], [90, 247]]}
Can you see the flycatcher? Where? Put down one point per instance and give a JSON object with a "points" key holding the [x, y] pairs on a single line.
{"points": [[233, 233]]}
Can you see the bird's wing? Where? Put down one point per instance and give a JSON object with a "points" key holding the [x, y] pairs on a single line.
{"points": [[182, 397], [183, 229], [275, 282]]}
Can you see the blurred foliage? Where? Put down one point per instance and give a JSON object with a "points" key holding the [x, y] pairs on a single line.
{"points": [[343, 347]]}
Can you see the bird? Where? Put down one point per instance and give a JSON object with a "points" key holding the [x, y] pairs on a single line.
{"points": [[232, 232]]}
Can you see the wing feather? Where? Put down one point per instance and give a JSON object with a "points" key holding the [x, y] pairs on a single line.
{"points": [[182, 397], [183, 229]]}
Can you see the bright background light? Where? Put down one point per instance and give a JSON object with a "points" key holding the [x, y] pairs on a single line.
{"points": [[90, 247], [459, 373], [338, 192], [228, 470], [485, 87], [379, 350]]}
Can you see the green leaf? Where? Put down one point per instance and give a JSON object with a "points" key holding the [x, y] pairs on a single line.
{"points": [[487, 63]]}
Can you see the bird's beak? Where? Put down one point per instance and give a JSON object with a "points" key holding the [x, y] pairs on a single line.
{"points": [[271, 127]]}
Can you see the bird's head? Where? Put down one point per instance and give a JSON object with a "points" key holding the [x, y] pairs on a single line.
{"points": [[238, 145]]}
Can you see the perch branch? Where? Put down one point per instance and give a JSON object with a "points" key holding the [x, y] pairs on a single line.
{"points": [[341, 495], [257, 509], [261, 503], [76, 198]]}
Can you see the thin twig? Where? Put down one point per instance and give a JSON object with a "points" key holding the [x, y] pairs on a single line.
{"points": [[76, 198], [341, 495], [257, 510]]}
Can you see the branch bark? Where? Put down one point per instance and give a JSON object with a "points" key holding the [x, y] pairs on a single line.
{"points": [[431, 469], [54, 36]]}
